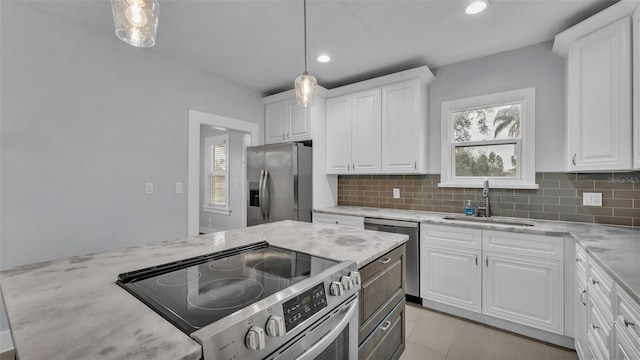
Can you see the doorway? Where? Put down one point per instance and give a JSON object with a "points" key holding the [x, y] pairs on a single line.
{"points": [[245, 132]]}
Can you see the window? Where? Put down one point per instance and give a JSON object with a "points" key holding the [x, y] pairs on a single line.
{"points": [[216, 174], [490, 136]]}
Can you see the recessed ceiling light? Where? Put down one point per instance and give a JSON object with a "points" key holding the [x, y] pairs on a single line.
{"points": [[476, 7], [323, 58]]}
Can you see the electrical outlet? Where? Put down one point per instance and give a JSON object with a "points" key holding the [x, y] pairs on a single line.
{"points": [[179, 188], [148, 188], [396, 193], [592, 199]]}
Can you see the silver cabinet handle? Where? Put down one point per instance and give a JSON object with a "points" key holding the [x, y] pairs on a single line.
{"points": [[385, 325], [595, 327], [385, 260], [348, 167], [415, 164], [487, 261], [628, 323], [578, 260], [573, 159], [582, 297], [595, 282], [476, 260]]}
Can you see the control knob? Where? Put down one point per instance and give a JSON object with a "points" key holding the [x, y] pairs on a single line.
{"points": [[254, 339], [347, 283], [275, 326], [336, 288], [355, 277]]}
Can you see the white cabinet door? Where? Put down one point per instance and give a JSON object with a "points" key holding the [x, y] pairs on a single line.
{"points": [[274, 121], [338, 128], [298, 128], [524, 290], [580, 319], [599, 99], [365, 131], [636, 89], [402, 127], [452, 276]]}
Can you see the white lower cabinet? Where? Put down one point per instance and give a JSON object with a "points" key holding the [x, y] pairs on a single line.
{"points": [[452, 276], [522, 283], [528, 291]]}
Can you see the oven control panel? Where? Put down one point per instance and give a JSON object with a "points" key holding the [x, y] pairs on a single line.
{"points": [[304, 306]]}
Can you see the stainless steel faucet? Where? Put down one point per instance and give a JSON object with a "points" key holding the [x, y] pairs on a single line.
{"points": [[485, 195]]}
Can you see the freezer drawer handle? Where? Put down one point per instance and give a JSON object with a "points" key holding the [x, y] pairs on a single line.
{"points": [[385, 325]]}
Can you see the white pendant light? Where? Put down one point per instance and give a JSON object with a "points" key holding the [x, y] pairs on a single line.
{"points": [[136, 21], [305, 84]]}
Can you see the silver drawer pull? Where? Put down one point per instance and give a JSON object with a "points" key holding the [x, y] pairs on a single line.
{"points": [[578, 260], [595, 282], [582, 297], [595, 327], [628, 323], [385, 325], [385, 260]]}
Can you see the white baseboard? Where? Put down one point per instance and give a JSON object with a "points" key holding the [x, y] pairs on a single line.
{"points": [[6, 343], [207, 230]]}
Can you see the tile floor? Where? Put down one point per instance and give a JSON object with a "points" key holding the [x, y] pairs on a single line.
{"points": [[435, 336]]}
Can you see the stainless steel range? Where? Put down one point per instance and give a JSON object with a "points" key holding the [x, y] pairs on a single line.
{"points": [[257, 302]]}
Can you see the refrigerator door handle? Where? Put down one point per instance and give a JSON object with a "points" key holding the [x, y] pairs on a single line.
{"points": [[261, 194], [267, 196]]}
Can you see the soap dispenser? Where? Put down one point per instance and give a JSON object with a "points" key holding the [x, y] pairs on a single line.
{"points": [[468, 209]]}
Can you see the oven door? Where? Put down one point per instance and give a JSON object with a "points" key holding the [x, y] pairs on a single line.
{"points": [[333, 337]]}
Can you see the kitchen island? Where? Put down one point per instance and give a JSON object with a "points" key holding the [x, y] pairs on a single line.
{"points": [[72, 308]]}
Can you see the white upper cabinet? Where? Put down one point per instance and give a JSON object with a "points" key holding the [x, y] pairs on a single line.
{"points": [[404, 128], [285, 120], [599, 109], [636, 89], [352, 121], [387, 120]]}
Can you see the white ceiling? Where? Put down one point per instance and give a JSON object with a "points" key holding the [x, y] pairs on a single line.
{"points": [[259, 44]]}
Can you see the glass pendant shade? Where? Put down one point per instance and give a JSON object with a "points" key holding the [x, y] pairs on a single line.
{"points": [[136, 21], [305, 89]]}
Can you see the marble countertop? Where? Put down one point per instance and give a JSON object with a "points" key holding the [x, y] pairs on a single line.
{"points": [[615, 248], [72, 308]]}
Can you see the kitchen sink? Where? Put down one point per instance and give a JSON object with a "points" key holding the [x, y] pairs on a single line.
{"points": [[489, 220]]}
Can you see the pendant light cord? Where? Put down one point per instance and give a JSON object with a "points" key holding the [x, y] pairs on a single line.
{"points": [[305, 35]]}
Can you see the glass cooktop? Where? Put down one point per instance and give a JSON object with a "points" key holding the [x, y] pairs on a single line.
{"points": [[196, 292]]}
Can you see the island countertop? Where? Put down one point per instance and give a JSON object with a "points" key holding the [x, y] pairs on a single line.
{"points": [[615, 248], [72, 308]]}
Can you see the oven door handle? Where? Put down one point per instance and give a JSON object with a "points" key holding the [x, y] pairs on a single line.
{"points": [[320, 345]]}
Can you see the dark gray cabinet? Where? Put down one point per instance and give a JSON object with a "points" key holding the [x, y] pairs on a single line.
{"points": [[382, 300]]}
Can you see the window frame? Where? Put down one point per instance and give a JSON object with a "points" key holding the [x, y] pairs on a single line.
{"points": [[525, 146], [208, 206]]}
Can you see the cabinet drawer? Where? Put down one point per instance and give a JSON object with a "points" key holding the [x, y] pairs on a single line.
{"points": [[628, 317], [593, 350], [600, 285], [624, 348], [451, 235], [382, 288], [581, 262], [388, 339], [548, 247], [346, 220], [600, 328]]}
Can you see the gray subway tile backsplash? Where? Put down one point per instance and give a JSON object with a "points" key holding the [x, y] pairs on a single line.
{"points": [[559, 196]]}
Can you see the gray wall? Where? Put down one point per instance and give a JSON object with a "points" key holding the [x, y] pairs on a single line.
{"points": [[531, 66], [86, 120], [236, 180]]}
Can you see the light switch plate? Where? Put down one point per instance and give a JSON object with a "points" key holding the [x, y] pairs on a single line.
{"points": [[396, 193], [592, 199], [148, 188]]}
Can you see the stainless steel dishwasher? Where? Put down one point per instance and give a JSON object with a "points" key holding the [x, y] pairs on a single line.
{"points": [[412, 284]]}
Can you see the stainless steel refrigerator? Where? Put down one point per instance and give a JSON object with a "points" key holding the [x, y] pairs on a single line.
{"points": [[279, 178]]}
